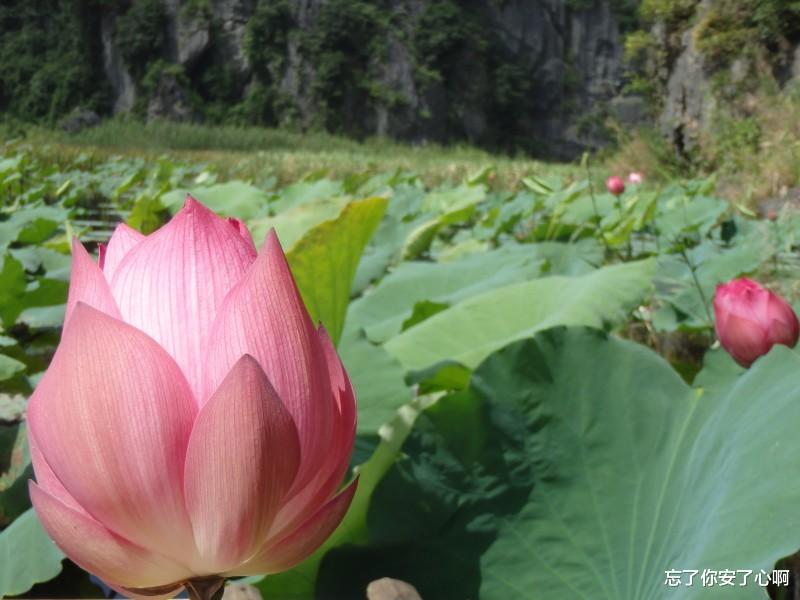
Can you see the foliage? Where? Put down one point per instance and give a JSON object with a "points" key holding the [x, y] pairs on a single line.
{"points": [[671, 11], [266, 155], [50, 59], [729, 26], [443, 299], [735, 138], [267, 37], [643, 57], [141, 34], [325, 261], [579, 465], [345, 41], [28, 555], [158, 69]]}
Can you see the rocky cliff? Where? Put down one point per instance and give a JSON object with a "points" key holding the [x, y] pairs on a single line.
{"points": [[539, 76]]}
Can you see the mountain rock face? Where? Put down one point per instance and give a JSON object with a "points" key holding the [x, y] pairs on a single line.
{"points": [[535, 75], [688, 104]]}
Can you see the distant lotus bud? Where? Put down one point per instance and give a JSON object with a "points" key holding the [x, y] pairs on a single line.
{"points": [[194, 424], [635, 178], [615, 185], [772, 215], [751, 319]]}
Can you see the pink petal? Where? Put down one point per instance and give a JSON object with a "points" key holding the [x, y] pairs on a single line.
{"points": [[345, 421], [172, 284], [100, 551], [242, 229], [242, 457], [264, 316], [87, 284], [285, 553], [112, 417], [330, 475], [783, 325], [745, 339], [47, 480], [123, 240]]}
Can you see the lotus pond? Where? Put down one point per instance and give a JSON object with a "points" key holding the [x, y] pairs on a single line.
{"points": [[543, 411]]}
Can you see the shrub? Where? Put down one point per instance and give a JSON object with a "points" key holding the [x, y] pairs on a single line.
{"points": [[142, 34], [50, 61]]}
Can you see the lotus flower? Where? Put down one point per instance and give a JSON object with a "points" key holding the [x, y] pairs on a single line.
{"points": [[750, 320], [635, 178], [615, 185], [193, 424]]}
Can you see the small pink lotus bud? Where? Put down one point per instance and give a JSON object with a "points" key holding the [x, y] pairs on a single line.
{"points": [[751, 319], [772, 215], [615, 185], [635, 178]]}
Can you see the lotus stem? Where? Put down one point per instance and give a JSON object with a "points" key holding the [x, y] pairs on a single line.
{"points": [[206, 588], [693, 271]]}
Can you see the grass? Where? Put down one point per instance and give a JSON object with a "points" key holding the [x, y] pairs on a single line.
{"points": [[255, 153]]}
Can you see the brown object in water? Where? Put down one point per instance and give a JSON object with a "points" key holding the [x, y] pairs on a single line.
{"points": [[391, 589]]}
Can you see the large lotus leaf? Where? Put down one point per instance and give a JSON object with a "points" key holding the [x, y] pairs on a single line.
{"points": [[679, 213], [232, 199], [383, 310], [454, 205], [682, 304], [12, 289], [9, 367], [27, 556], [377, 379], [55, 264], [420, 238], [582, 209], [40, 317], [574, 258], [12, 407], [406, 202], [292, 224], [384, 249], [474, 328], [31, 224], [306, 191], [324, 261], [578, 465]]}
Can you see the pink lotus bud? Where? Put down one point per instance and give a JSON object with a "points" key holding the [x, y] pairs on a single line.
{"points": [[635, 178], [194, 422], [772, 215], [751, 319], [615, 185]]}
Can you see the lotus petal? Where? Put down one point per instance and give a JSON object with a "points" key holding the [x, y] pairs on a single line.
{"points": [[243, 455], [123, 240], [285, 553], [243, 230], [329, 477], [112, 417], [264, 316], [87, 284], [172, 283], [100, 551]]}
